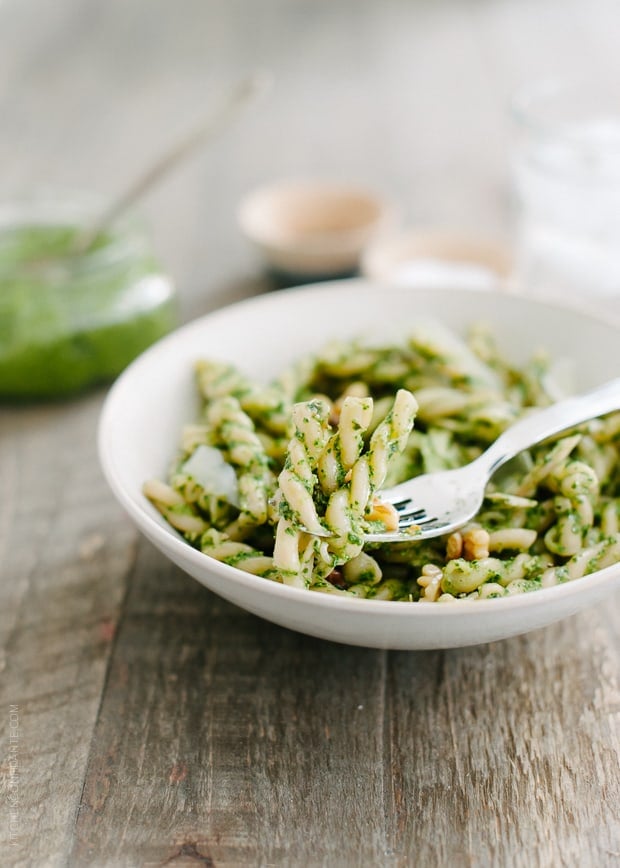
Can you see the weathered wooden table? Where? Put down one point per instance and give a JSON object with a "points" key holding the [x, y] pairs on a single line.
{"points": [[146, 722]]}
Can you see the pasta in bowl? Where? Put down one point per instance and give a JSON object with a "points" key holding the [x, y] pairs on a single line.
{"points": [[302, 405]]}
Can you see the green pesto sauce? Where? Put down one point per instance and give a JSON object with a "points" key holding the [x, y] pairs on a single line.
{"points": [[67, 321]]}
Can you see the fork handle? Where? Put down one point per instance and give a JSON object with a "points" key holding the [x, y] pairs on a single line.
{"points": [[549, 421]]}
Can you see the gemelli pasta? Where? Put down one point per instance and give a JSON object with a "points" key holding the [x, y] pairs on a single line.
{"points": [[283, 480]]}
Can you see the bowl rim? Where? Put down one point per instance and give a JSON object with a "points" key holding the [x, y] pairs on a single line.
{"points": [[145, 515]]}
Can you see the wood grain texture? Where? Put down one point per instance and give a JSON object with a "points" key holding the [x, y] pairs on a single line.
{"points": [[253, 745], [64, 558], [265, 742], [159, 725], [521, 753]]}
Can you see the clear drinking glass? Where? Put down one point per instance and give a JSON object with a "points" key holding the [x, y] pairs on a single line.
{"points": [[566, 174]]}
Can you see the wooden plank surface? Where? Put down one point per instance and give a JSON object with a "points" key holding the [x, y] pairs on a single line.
{"points": [[157, 724]]}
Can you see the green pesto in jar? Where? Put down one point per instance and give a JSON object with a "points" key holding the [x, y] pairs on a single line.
{"points": [[71, 320]]}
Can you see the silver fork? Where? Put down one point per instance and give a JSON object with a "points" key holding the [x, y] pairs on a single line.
{"points": [[437, 503]]}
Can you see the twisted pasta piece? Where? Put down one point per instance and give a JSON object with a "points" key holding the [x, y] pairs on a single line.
{"points": [[219, 379], [450, 359], [347, 480], [297, 481], [237, 436], [463, 577], [349, 359], [349, 504], [588, 560], [578, 488], [546, 465], [389, 439], [175, 509], [236, 554], [268, 406], [344, 447], [610, 518]]}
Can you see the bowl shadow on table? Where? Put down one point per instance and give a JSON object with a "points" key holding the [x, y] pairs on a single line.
{"points": [[202, 629], [218, 651]]}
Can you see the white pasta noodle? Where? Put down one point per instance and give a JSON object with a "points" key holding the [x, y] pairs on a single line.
{"points": [[344, 477], [518, 539], [237, 436], [280, 479]]}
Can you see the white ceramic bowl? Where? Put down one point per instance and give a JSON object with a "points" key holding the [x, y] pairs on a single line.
{"points": [[144, 412]]}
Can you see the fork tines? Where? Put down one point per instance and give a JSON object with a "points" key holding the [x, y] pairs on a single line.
{"points": [[408, 514]]}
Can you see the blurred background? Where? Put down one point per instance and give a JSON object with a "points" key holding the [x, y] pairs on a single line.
{"points": [[408, 97]]}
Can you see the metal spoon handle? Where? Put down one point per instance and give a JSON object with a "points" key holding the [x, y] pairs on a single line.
{"points": [[245, 91]]}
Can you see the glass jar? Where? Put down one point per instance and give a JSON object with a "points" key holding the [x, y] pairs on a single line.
{"points": [[69, 318]]}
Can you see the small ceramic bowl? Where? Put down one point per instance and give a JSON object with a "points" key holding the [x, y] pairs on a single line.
{"points": [[313, 230], [438, 258]]}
